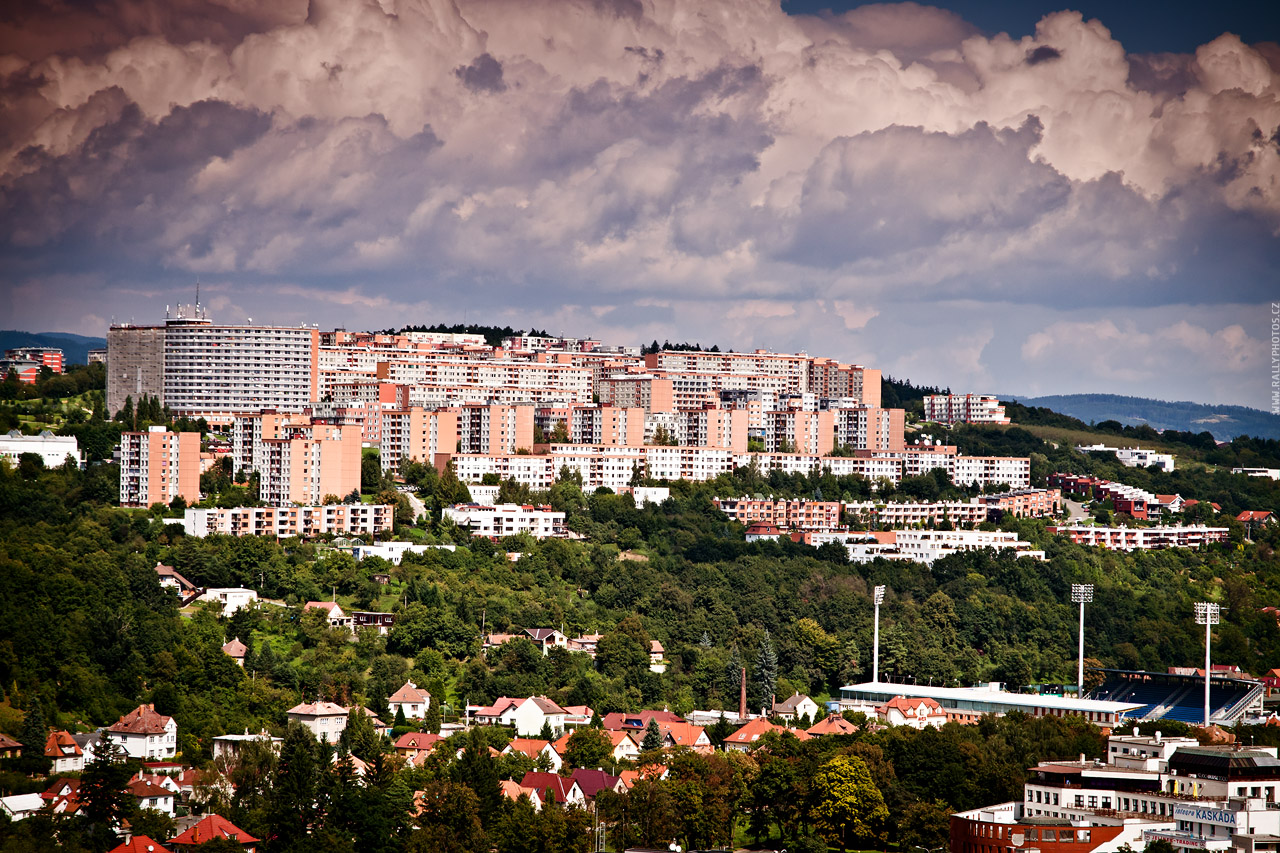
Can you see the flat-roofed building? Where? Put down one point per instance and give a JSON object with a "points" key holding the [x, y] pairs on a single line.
{"points": [[157, 466]]}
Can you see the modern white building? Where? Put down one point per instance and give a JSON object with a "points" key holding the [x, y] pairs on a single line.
{"points": [[52, 449], [284, 521], [1142, 538], [1132, 457], [501, 520], [984, 699], [231, 598], [928, 546]]}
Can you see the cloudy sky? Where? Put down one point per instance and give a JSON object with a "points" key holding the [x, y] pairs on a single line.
{"points": [[996, 197]]}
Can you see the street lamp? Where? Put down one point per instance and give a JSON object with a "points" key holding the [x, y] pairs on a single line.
{"points": [[1207, 614], [1082, 593], [878, 597]]}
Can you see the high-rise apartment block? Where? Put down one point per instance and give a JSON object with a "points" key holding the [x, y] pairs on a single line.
{"points": [[298, 459], [494, 429], [157, 466], [417, 434], [200, 369]]}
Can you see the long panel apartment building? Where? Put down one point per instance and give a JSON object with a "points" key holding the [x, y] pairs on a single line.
{"points": [[201, 369], [284, 521], [964, 408]]}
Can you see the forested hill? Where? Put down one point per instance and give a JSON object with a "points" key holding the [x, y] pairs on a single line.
{"points": [[75, 348], [1225, 422]]}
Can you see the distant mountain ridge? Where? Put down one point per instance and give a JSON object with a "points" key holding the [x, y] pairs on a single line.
{"points": [[75, 348], [1224, 422]]}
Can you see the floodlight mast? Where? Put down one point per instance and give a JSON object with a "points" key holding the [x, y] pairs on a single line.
{"points": [[878, 597], [1208, 614], [1082, 593]]}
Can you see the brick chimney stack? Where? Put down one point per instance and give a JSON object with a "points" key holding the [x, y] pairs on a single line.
{"points": [[742, 696]]}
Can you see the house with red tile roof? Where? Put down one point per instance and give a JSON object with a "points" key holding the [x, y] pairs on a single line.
{"points": [[63, 751], [410, 699], [146, 734], [151, 796], [535, 747], [685, 735], [171, 579], [236, 650], [139, 844], [514, 791], [916, 712], [9, 748], [651, 772], [333, 613], [416, 746], [592, 782], [214, 826], [63, 796], [746, 737], [552, 787], [833, 725], [326, 720], [577, 715], [618, 721]]}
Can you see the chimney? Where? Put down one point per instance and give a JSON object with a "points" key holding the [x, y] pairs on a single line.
{"points": [[742, 695]]}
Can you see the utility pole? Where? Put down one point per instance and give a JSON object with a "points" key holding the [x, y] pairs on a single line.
{"points": [[1082, 593], [875, 644], [1208, 614]]}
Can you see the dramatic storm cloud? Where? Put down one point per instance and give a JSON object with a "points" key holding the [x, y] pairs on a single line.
{"points": [[888, 185]]}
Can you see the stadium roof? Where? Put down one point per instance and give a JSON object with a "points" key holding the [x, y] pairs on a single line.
{"points": [[984, 698]]}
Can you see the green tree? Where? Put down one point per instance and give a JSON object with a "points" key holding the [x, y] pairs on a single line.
{"points": [[588, 748], [652, 737], [767, 671], [848, 807], [33, 736], [103, 798], [292, 798], [477, 768]]}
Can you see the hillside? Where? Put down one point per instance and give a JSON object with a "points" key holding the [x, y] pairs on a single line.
{"points": [[75, 348], [1224, 422]]}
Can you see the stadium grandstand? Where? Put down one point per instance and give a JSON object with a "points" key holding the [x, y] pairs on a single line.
{"points": [[1167, 696]]}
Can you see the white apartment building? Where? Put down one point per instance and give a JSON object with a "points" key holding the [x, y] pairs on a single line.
{"points": [[964, 408], [1142, 538], [928, 546], [52, 449], [216, 371], [501, 520], [532, 380], [285, 521], [908, 514], [1132, 457]]}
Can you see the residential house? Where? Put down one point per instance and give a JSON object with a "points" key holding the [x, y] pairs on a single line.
{"points": [[9, 748], [657, 657], [411, 700], [535, 747], [650, 772], [170, 578], [236, 650], [326, 720], [381, 622], [918, 713], [230, 745], [514, 791], [685, 735], [214, 826], [378, 725], [626, 745], [151, 796], [833, 725], [795, 707], [527, 715], [21, 806], [332, 611], [745, 738], [554, 788], [88, 743], [1255, 519], [586, 644], [63, 796], [64, 753], [576, 716], [638, 722], [545, 638], [145, 734], [591, 782], [231, 598], [416, 746]]}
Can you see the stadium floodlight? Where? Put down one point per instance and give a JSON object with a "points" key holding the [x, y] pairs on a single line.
{"points": [[878, 598], [1082, 594], [1208, 614]]}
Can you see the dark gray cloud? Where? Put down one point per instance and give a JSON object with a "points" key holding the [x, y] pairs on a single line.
{"points": [[712, 171]]}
